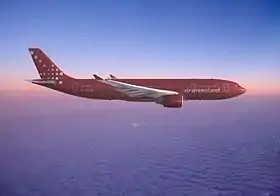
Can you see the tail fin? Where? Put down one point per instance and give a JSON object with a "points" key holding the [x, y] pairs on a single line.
{"points": [[46, 68]]}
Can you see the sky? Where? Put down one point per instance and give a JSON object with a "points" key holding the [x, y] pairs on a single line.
{"points": [[63, 145], [236, 40]]}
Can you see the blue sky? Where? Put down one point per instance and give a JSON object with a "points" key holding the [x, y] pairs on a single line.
{"points": [[227, 39]]}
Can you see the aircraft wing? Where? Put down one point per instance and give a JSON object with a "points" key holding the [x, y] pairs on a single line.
{"points": [[136, 91]]}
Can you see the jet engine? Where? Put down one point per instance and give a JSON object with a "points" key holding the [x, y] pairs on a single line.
{"points": [[171, 101]]}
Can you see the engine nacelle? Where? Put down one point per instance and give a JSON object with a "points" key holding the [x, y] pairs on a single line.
{"points": [[171, 101]]}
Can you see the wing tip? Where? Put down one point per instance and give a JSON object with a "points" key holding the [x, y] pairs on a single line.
{"points": [[97, 77]]}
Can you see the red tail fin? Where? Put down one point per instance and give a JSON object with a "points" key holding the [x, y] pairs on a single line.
{"points": [[46, 68]]}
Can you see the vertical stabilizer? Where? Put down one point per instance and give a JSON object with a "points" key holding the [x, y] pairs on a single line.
{"points": [[46, 68]]}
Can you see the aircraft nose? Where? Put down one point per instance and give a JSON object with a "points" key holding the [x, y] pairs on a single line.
{"points": [[242, 90]]}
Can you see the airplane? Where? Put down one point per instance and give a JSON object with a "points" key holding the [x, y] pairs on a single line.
{"points": [[169, 93]]}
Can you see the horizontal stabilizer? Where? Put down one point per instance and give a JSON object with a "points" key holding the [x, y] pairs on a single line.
{"points": [[39, 81]]}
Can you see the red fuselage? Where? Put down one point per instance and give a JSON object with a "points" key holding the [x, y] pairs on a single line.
{"points": [[191, 89], [53, 77]]}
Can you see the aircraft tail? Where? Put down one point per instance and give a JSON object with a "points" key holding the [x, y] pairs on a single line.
{"points": [[46, 68]]}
